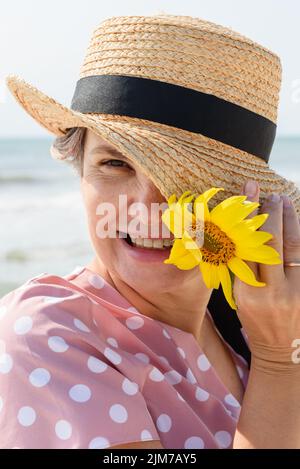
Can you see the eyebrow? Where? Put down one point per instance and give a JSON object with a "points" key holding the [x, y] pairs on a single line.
{"points": [[107, 149]]}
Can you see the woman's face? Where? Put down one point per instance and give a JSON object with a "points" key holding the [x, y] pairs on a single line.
{"points": [[107, 175]]}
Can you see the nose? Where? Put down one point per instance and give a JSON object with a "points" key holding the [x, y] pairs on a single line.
{"points": [[149, 193], [153, 203]]}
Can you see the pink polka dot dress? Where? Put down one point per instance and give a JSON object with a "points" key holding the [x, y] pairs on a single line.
{"points": [[80, 367]]}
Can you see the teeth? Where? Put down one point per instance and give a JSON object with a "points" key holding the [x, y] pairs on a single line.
{"points": [[152, 243]]}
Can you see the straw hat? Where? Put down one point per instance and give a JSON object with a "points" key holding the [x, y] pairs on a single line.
{"points": [[193, 103]]}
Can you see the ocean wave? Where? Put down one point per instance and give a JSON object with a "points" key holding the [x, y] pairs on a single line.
{"points": [[43, 253], [32, 177], [22, 178], [71, 200], [16, 255]]}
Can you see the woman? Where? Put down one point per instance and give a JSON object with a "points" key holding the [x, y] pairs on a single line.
{"points": [[124, 353]]}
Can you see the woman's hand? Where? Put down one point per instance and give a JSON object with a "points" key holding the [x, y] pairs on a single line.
{"points": [[270, 315]]}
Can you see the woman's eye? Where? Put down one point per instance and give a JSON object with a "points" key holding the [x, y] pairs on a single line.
{"points": [[115, 163]]}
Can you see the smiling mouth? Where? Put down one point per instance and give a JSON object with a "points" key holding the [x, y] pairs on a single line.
{"points": [[147, 243]]}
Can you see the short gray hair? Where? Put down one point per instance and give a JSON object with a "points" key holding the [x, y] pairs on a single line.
{"points": [[70, 148]]}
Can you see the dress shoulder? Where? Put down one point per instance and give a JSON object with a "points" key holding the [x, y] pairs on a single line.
{"points": [[62, 384]]}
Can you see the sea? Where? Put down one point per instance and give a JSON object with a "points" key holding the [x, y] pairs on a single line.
{"points": [[43, 225]]}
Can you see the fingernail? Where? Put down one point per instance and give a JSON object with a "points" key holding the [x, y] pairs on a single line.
{"points": [[251, 188], [275, 198]]}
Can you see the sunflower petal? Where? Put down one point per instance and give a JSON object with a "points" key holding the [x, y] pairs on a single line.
{"points": [[186, 200], [184, 218], [250, 238], [172, 199], [185, 194], [186, 262], [256, 222], [178, 249], [191, 246], [231, 215], [201, 210], [180, 257], [243, 272], [210, 274], [227, 203], [218, 212], [215, 279], [176, 218], [203, 199], [263, 254], [205, 268], [207, 195], [226, 284]]}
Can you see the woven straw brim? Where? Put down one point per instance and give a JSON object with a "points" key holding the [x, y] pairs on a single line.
{"points": [[175, 160]]}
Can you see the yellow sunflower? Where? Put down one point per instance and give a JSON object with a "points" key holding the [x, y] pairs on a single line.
{"points": [[218, 240]]}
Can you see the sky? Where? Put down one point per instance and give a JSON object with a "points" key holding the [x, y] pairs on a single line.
{"points": [[44, 42]]}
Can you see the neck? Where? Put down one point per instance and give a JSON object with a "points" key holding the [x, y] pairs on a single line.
{"points": [[180, 308]]}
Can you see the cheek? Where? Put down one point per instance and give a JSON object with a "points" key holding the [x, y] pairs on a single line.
{"points": [[91, 200], [98, 214], [103, 247]]}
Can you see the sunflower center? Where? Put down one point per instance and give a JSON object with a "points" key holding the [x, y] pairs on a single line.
{"points": [[216, 247]]}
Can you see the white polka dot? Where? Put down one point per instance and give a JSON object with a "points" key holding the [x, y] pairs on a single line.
{"points": [[3, 311], [166, 334], [164, 423], [146, 435], [99, 443], [96, 281], [63, 429], [112, 342], [173, 377], [133, 310], [1, 404], [78, 269], [203, 363], [180, 396], [118, 413], [96, 365], [52, 299], [134, 322], [6, 363], [164, 360], [223, 438], [113, 356], [39, 377], [57, 344], [194, 442], [26, 416], [155, 374], [80, 325], [201, 394], [231, 400], [181, 351], [23, 325], [190, 376], [130, 387], [80, 393], [143, 357], [240, 371]]}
